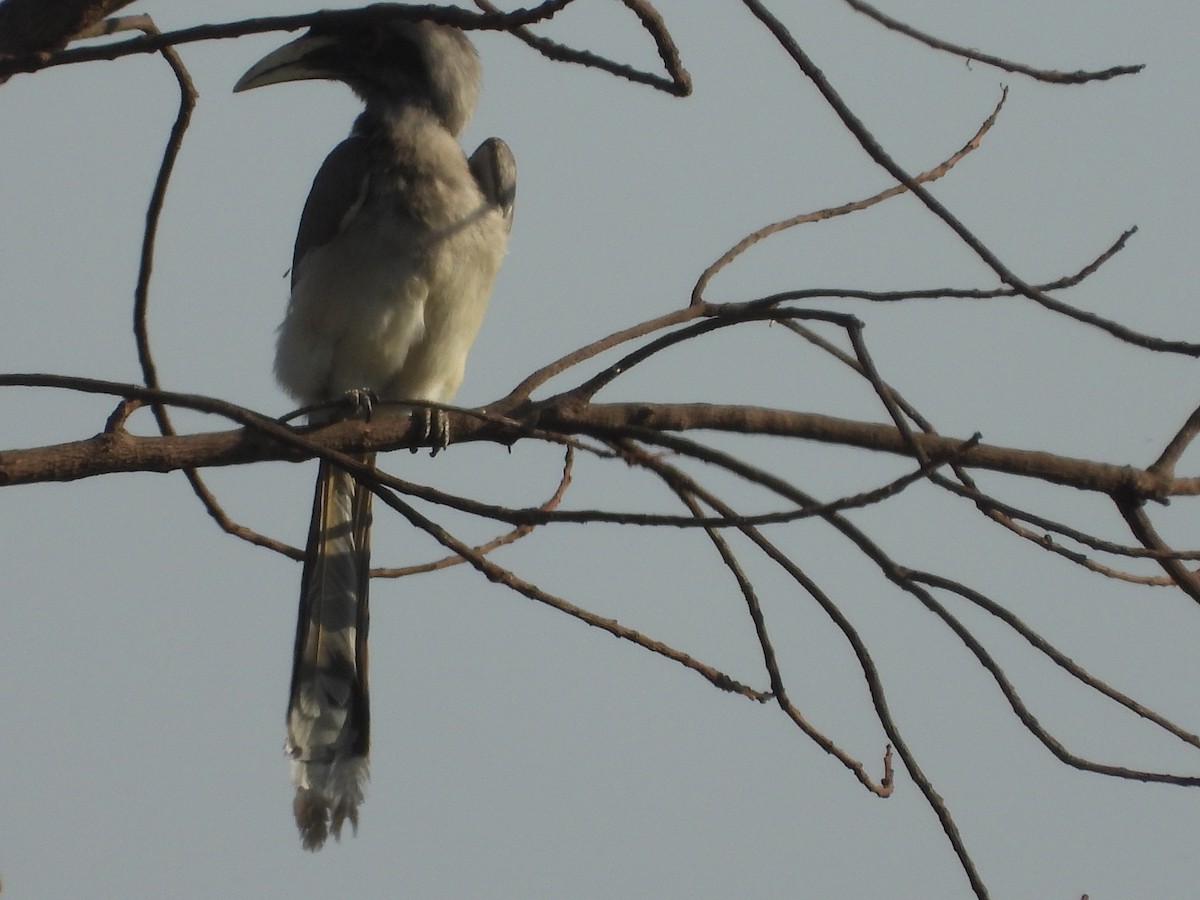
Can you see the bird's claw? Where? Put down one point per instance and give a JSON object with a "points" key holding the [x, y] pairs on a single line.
{"points": [[434, 427], [362, 402]]}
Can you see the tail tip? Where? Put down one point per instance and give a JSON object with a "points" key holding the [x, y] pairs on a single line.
{"points": [[317, 820], [327, 797], [312, 818]]}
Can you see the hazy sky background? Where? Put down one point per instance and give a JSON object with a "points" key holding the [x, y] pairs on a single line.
{"points": [[144, 655]]}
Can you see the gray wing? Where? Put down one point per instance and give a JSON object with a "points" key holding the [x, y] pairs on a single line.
{"points": [[495, 172], [337, 192]]}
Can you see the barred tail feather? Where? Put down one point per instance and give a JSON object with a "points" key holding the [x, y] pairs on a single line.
{"points": [[328, 719], [327, 796]]}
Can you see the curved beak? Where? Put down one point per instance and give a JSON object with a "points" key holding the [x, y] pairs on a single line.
{"points": [[298, 61]]}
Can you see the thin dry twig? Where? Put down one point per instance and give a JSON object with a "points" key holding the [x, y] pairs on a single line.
{"points": [[1134, 512], [1059, 658], [678, 83], [1023, 713], [718, 320], [1165, 464], [846, 208], [1011, 517], [499, 541], [945, 293], [1049, 76]]}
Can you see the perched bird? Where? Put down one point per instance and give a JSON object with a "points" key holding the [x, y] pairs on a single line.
{"points": [[398, 247]]}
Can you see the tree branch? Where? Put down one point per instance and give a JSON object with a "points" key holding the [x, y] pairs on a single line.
{"points": [[122, 452]]}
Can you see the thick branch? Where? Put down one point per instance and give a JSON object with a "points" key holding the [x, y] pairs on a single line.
{"points": [[119, 451], [605, 419]]}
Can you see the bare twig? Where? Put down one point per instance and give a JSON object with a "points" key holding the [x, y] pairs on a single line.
{"points": [[1059, 658], [589, 388], [972, 55], [1165, 464], [500, 541], [1010, 516], [678, 83], [1139, 523], [845, 209]]}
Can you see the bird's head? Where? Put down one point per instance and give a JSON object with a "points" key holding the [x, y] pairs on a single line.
{"points": [[386, 64]]}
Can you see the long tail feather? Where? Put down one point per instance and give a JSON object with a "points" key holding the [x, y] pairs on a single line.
{"points": [[328, 717]]}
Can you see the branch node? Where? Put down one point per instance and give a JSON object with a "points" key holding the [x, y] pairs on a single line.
{"points": [[887, 783], [115, 424]]}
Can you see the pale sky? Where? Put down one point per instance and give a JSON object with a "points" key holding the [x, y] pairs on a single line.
{"points": [[144, 654]]}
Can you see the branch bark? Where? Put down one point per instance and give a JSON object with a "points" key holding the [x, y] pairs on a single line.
{"points": [[264, 439]]}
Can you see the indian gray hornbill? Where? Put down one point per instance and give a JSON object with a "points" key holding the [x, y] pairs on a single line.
{"points": [[398, 247]]}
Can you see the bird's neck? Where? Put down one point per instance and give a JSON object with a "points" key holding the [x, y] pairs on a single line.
{"points": [[406, 131], [399, 118], [411, 145]]}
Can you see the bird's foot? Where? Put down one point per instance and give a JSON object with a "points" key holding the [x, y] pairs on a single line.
{"points": [[361, 403], [434, 427]]}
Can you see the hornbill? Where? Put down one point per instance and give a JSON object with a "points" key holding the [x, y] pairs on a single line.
{"points": [[397, 250]]}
